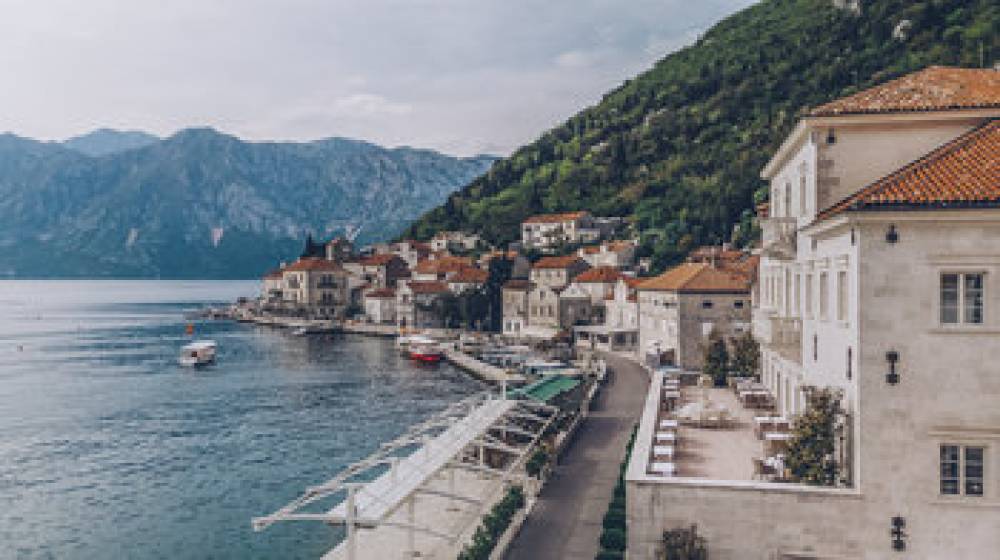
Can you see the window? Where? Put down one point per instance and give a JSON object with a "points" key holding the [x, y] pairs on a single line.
{"points": [[802, 192], [824, 295], [788, 200], [850, 362], [809, 295], [962, 470], [738, 304], [706, 304], [842, 295], [962, 298]]}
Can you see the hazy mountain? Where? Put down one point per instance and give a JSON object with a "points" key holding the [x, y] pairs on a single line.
{"points": [[205, 204], [105, 141]]}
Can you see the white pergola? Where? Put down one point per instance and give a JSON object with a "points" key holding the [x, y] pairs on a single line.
{"points": [[455, 438]]}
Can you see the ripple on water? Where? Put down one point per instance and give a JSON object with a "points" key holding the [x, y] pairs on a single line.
{"points": [[110, 450]]}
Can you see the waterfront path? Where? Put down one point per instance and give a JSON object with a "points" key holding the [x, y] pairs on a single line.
{"points": [[566, 521]]}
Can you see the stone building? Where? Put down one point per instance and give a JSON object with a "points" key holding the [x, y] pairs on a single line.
{"points": [[680, 308], [515, 306], [380, 306], [415, 301], [315, 287], [880, 277]]}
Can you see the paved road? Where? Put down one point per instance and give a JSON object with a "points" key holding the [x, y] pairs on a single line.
{"points": [[566, 521]]}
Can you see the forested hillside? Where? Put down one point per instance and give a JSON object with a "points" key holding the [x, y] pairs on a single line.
{"points": [[680, 147]]}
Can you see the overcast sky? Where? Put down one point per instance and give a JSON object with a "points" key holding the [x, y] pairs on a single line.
{"points": [[461, 76]]}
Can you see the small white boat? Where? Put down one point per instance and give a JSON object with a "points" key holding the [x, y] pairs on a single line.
{"points": [[405, 342], [198, 353]]}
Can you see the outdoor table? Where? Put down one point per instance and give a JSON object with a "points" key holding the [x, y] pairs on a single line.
{"points": [[668, 424], [666, 437], [663, 451], [663, 468]]}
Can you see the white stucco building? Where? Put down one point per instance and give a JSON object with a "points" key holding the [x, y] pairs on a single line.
{"points": [[880, 275]]}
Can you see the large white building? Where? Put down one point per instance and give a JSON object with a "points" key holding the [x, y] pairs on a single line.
{"points": [[880, 275]]}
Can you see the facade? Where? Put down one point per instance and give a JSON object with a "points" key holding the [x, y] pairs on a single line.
{"points": [[339, 249], [547, 232], [382, 271], [615, 254], [879, 276], [316, 287], [380, 306], [273, 286], [679, 309], [622, 310], [412, 252], [599, 284], [575, 307], [515, 306], [468, 278], [454, 241], [557, 272], [415, 300], [543, 308]]}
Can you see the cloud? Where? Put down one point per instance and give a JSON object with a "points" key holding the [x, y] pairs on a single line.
{"points": [[447, 74], [367, 105]]}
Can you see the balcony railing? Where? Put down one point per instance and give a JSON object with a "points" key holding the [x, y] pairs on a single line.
{"points": [[778, 236]]}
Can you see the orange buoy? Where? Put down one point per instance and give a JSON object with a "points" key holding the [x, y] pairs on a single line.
{"points": [[189, 329]]}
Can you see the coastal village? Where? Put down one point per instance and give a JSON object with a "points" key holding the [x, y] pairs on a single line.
{"points": [[825, 392]]}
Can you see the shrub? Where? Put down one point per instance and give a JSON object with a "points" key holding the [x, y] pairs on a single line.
{"points": [[613, 539], [684, 544], [493, 525]]}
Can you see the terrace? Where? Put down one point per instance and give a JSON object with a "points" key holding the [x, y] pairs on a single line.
{"points": [[719, 434]]}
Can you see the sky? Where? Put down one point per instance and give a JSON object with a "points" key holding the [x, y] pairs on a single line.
{"points": [[459, 76]]}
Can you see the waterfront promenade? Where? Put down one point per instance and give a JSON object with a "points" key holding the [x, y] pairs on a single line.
{"points": [[566, 520]]}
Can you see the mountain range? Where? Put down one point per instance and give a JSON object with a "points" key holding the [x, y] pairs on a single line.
{"points": [[679, 148], [203, 204]]}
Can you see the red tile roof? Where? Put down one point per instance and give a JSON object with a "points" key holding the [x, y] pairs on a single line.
{"points": [[555, 218], [442, 265], [313, 264], [934, 88], [470, 275], [274, 274], [517, 284], [427, 287], [599, 275], [698, 278], [565, 261], [378, 260], [963, 173]]}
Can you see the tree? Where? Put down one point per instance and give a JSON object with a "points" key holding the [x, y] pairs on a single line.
{"points": [[811, 451], [717, 358], [684, 544], [746, 355]]}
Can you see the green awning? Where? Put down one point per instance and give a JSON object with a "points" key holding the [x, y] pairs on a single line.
{"points": [[549, 387]]}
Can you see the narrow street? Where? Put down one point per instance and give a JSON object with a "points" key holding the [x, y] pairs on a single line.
{"points": [[566, 522]]}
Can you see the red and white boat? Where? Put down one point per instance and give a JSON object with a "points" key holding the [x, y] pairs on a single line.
{"points": [[426, 353]]}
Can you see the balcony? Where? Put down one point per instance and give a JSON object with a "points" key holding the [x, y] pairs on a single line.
{"points": [[778, 237], [780, 334]]}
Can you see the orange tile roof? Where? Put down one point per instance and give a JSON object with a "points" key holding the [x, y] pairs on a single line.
{"points": [[555, 218], [707, 252], [313, 264], [934, 88], [697, 278], [427, 287], [274, 274], [385, 293], [599, 275], [963, 173], [470, 275], [564, 261]]}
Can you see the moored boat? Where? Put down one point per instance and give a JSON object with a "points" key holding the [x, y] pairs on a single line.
{"points": [[426, 353], [198, 353]]}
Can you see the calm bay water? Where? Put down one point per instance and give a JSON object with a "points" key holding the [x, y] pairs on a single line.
{"points": [[108, 449]]}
